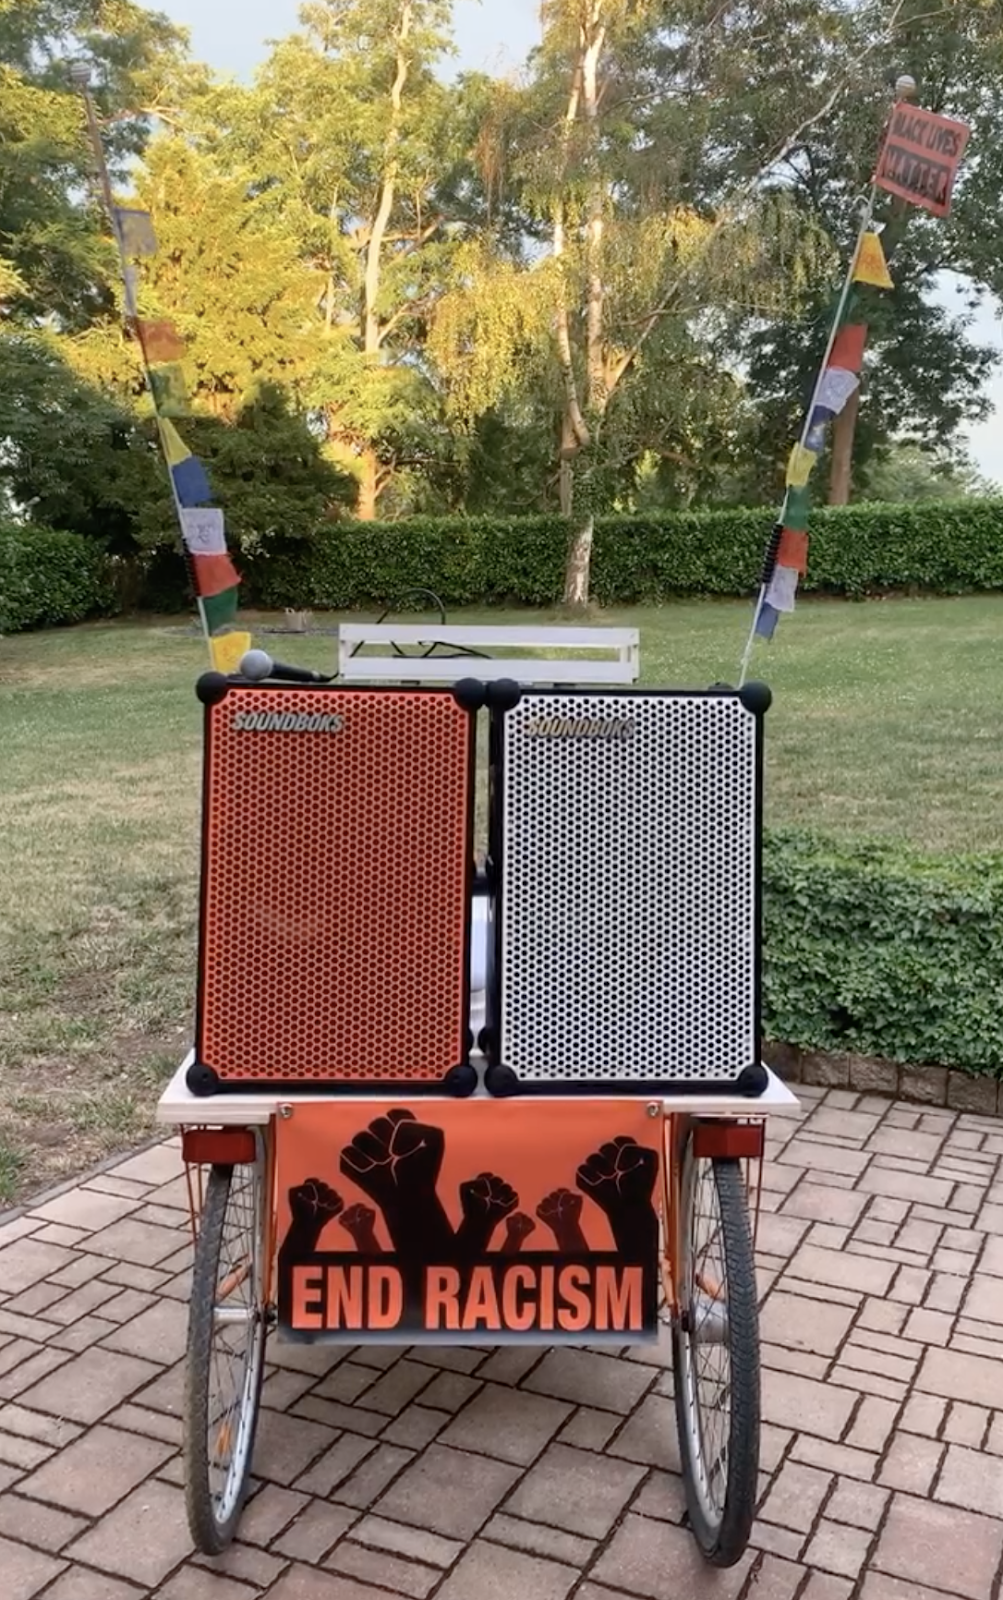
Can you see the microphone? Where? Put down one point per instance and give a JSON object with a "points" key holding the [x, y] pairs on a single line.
{"points": [[257, 665]]}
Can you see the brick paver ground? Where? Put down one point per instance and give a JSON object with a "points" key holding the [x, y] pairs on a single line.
{"points": [[525, 1474]]}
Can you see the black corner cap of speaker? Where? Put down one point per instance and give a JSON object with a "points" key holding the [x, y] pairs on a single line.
{"points": [[211, 687], [753, 1080], [470, 693], [504, 694], [461, 1080], [487, 1043], [501, 1082], [201, 1080], [757, 698]]}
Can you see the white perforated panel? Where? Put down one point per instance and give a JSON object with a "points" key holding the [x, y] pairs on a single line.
{"points": [[628, 907]]}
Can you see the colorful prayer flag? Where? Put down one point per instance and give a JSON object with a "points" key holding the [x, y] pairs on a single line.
{"points": [[796, 508], [160, 340], [212, 574], [793, 551], [783, 588], [135, 231], [170, 394], [203, 530], [848, 350], [190, 482], [218, 609], [131, 288], [799, 466], [766, 622], [870, 265], [815, 437], [174, 446], [229, 650], [836, 388]]}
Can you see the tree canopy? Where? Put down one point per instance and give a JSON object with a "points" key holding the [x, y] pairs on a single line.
{"points": [[600, 284]]}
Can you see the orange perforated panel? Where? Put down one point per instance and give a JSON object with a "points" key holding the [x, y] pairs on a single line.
{"points": [[336, 886]]}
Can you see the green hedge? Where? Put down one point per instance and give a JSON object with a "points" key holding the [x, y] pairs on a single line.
{"points": [[949, 548], [881, 950], [945, 548], [48, 578]]}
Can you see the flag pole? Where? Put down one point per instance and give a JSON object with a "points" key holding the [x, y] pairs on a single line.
{"points": [[80, 77], [904, 88], [866, 218]]}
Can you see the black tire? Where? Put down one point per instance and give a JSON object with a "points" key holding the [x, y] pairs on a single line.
{"points": [[720, 1500], [233, 1215]]}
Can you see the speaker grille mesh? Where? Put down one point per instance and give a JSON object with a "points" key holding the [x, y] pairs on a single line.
{"points": [[335, 887], [628, 947]]}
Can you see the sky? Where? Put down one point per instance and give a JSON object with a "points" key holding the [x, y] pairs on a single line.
{"points": [[232, 35]]}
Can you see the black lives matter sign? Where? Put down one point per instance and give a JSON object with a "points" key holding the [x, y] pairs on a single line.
{"points": [[920, 157]]}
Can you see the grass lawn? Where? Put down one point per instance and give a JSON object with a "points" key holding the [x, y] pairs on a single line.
{"points": [[886, 720]]}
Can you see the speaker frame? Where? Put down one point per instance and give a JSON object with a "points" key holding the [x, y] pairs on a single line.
{"points": [[501, 1080], [459, 1080]]}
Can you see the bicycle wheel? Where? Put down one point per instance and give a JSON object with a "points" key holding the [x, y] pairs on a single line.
{"points": [[715, 1353], [226, 1340]]}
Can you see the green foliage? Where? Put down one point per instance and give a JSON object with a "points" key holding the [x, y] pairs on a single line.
{"points": [[925, 374], [229, 278], [880, 950], [268, 472], [47, 230], [944, 548], [907, 472], [358, 154], [78, 458], [48, 578], [395, 250]]}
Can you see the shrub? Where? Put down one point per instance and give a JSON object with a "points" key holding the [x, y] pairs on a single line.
{"points": [[944, 548], [48, 577], [879, 949]]}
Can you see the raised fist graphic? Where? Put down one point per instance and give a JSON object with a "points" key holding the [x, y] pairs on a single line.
{"points": [[517, 1230], [485, 1200], [561, 1211], [396, 1162], [360, 1222], [395, 1155], [620, 1178], [314, 1200], [313, 1205]]}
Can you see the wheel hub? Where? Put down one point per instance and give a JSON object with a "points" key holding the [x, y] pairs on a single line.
{"points": [[706, 1319]]}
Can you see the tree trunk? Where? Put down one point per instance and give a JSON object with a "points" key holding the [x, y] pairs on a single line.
{"points": [[843, 429], [388, 189], [577, 572], [578, 432], [368, 486], [372, 333], [566, 477], [595, 364]]}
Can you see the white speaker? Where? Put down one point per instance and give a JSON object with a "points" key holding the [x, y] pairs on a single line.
{"points": [[625, 853]]}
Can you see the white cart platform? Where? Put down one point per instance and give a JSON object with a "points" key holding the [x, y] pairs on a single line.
{"points": [[178, 1107]]}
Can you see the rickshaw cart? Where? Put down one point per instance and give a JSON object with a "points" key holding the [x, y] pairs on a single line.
{"points": [[430, 1103]]}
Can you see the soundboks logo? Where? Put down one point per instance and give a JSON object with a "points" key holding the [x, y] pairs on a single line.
{"points": [[287, 722], [580, 727]]}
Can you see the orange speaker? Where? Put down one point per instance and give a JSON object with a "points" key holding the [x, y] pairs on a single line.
{"points": [[337, 856]]}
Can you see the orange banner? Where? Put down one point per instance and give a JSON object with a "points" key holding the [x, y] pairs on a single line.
{"points": [[920, 157], [457, 1221]]}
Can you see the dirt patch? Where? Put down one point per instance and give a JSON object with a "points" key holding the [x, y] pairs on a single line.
{"points": [[59, 1118]]}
